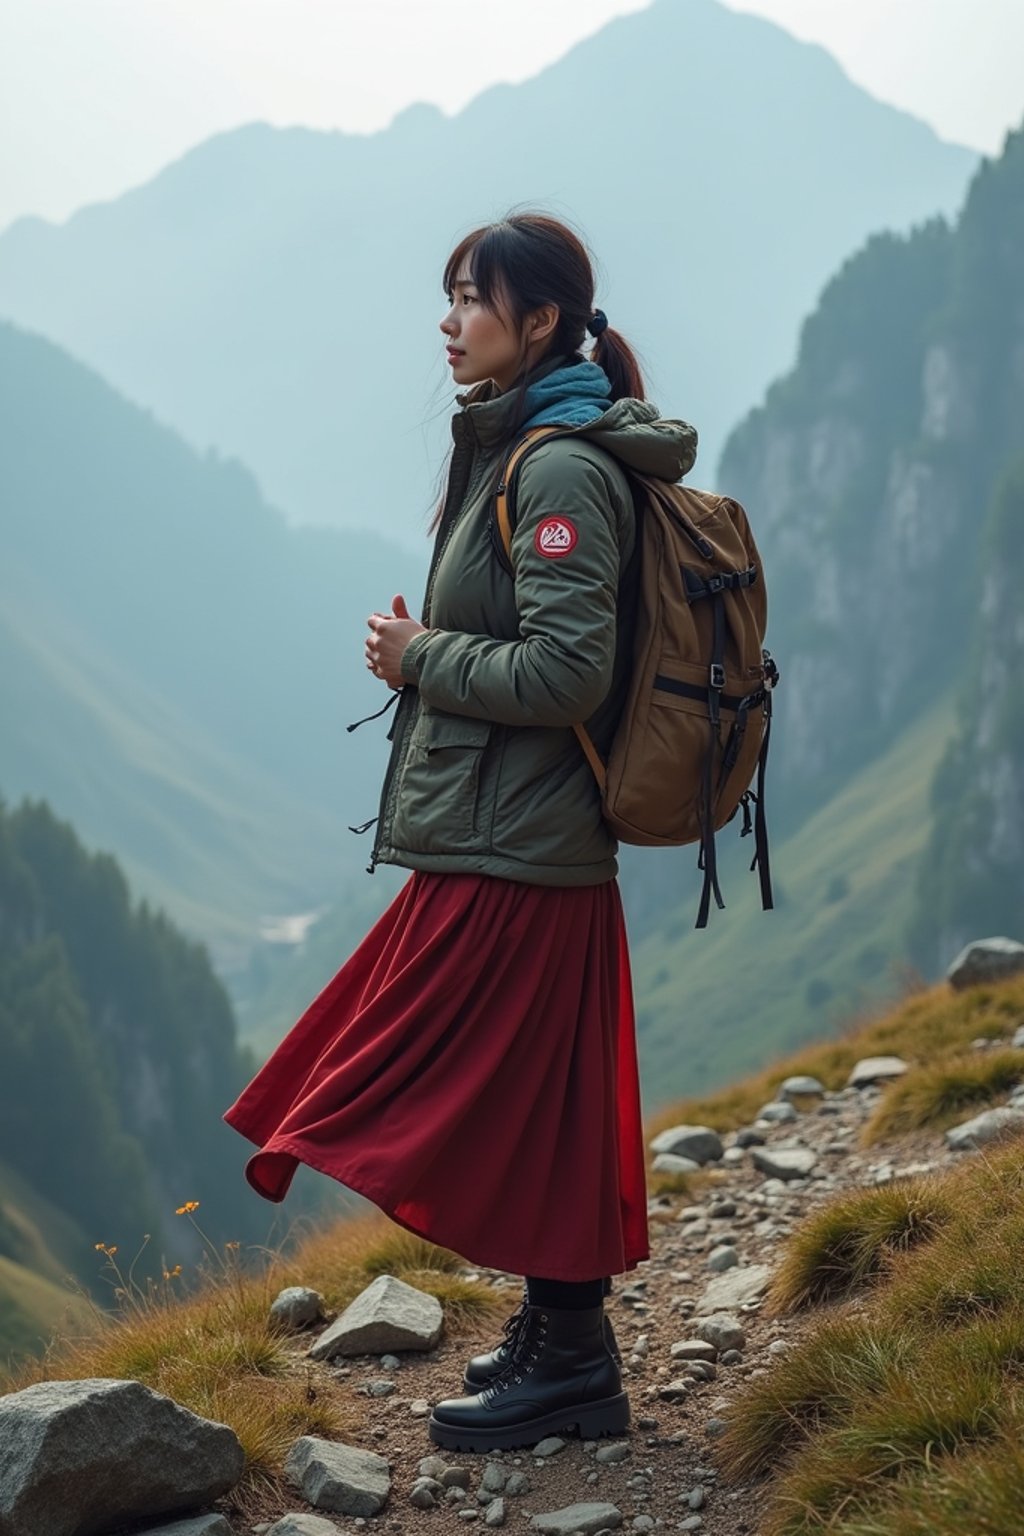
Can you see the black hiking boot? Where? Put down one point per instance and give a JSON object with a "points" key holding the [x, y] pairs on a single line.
{"points": [[482, 1368], [559, 1376]]}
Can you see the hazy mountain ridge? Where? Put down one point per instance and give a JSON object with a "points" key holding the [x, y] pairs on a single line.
{"points": [[277, 291], [179, 665]]}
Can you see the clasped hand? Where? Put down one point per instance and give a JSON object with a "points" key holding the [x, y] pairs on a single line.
{"points": [[390, 633]]}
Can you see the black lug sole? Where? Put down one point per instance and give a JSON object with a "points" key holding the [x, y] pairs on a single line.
{"points": [[591, 1421]]}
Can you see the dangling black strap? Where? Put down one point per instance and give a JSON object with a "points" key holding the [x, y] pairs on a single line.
{"points": [[760, 860], [365, 826], [716, 682], [397, 694]]}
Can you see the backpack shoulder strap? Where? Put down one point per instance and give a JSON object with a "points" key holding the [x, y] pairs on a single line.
{"points": [[535, 435]]}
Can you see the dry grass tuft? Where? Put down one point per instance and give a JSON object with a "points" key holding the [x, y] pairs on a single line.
{"points": [[877, 1405], [849, 1241], [941, 1092]]}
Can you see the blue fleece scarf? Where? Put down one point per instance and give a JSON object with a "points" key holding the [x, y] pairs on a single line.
{"points": [[569, 396]]}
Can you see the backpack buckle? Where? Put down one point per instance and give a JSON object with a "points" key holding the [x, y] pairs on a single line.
{"points": [[717, 675], [716, 583]]}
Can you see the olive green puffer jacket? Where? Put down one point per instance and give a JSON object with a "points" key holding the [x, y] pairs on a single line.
{"points": [[486, 774]]}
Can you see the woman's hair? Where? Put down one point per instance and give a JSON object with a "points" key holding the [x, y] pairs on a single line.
{"points": [[530, 259]]}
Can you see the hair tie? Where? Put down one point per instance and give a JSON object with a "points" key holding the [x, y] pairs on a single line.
{"points": [[597, 322]]}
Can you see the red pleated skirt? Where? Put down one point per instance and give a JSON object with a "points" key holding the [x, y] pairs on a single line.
{"points": [[472, 1070]]}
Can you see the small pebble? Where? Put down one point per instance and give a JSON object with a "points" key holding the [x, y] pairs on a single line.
{"points": [[380, 1387], [642, 1523], [731, 1357], [455, 1477], [495, 1477], [696, 1497], [455, 1495], [691, 1523], [549, 1446], [419, 1407], [495, 1515], [469, 1514], [715, 1427], [518, 1483], [390, 1363], [611, 1453]]}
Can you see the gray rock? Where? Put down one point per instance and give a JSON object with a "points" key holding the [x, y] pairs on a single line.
{"points": [[495, 1477], [697, 1496], [380, 1387], [730, 1357], [419, 1407], [588, 1518], [388, 1315], [423, 1497], [722, 1210], [692, 1522], [734, 1289], [800, 1087], [876, 1069], [1018, 1038], [722, 1258], [116, 1450], [715, 1427], [608, 1454], [779, 1112], [550, 1446], [469, 1514], [989, 1126], [642, 1523], [694, 1349], [495, 1515], [297, 1306], [455, 1495], [212, 1524], [518, 1483], [670, 1162], [784, 1162], [749, 1136], [985, 960], [342, 1478], [433, 1466], [390, 1363], [674, 1391], [694, 1141], [295, 1523], [455, 1477], [703, 1370]]}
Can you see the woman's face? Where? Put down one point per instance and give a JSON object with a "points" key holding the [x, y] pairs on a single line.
{"points": [[482, 343]]}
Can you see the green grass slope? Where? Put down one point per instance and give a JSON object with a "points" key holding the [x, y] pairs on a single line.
{"points": [[199, 831], [754, 985], [40, 1246]]}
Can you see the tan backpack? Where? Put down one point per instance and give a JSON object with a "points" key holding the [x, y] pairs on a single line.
{"points": [[697, 719]]}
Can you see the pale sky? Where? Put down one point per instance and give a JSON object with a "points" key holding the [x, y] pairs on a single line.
{"points": [[97, 95]]}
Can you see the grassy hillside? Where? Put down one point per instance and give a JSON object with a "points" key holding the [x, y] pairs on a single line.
{"points": [[40, 1246], [756, 984]]}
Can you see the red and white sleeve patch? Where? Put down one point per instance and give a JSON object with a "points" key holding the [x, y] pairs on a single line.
{"points": [[555, 537]]}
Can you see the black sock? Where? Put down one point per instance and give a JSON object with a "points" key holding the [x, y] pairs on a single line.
{"points": [[573, 1295]]}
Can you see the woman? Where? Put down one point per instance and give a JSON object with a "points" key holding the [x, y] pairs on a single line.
{"points": [[472, 1067]]}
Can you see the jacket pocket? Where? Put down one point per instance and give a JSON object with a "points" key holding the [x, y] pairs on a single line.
{"points": [[438, 806]]}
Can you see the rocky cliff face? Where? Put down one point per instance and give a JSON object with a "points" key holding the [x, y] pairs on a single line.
{"points": [[871, 476]]}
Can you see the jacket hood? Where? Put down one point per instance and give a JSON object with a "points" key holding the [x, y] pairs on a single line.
{"points": [[575, 394]]}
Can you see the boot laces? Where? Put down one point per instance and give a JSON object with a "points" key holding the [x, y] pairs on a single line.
{"points": [[523, 1350]]}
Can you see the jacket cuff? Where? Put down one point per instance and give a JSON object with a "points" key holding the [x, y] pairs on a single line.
{"points": [[410, 663]]}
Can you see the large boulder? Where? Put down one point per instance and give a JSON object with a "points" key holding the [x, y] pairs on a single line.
{"points": [[986, 960], [342, 1478], [736, 1288], [78, 1458], [389, 1315], [876, 1069], [990, 1125], [784, 1162], [698, 1142], [586, 1518]]}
